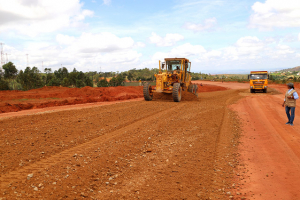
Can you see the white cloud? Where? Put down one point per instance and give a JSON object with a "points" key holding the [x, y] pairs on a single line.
{"points": [[102, 42], [207, 24], [248, 47], [275, 13], [168, 40], [34, 17], [140, 44], [86, 52], [106, 2], [183, 51], [282, 51], [65, 39]]}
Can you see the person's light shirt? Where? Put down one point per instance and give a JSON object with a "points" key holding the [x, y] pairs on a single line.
{"points": [[295, 94]]}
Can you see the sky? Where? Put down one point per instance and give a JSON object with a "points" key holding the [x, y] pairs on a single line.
{"points": [[217, 36]]}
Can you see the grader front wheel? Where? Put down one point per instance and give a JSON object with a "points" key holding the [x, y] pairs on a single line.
{"points": [[196, 90], [176, 93], [148, 94], [190, 88]]}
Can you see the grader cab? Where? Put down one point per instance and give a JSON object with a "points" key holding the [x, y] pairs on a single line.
{"points": [[173, 78]]}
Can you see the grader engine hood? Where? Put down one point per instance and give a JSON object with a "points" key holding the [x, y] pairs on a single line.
{"points": [[165, 81]]}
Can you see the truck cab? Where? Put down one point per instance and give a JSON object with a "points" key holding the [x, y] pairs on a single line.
{"points": [[258, 81]]}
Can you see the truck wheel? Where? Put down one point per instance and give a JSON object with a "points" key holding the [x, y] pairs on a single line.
{"points": [[265, 90], [148, 94], [176, 93], [251, 90]]}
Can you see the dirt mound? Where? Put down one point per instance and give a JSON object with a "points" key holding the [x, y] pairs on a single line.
{"points": [[13, 101], [187, 96], [210, 88]]}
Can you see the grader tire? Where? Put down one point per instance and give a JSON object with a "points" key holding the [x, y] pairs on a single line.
{"points": [[195, 89], [146, 92], [176, 93], [190, 88]]}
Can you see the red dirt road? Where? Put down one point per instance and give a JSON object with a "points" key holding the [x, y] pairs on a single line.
{"points": [[155, 150], [270, 149], [146, 150]]}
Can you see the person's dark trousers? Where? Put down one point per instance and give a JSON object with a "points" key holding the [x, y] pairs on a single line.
{"points": [[292, 115]]}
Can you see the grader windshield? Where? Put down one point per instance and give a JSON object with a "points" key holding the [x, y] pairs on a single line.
{"points": [[173, 65]]}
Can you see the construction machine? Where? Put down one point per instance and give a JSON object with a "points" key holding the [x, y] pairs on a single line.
{"points": [[174, 76], [258, 81]]}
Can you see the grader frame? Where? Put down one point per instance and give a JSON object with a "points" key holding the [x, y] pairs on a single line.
{"points": [[174, 76]]}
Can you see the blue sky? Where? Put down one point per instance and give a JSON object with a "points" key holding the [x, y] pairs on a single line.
{"points": [[218, 36]]}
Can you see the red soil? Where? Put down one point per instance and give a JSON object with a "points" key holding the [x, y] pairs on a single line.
{"points": [[13, 101]]}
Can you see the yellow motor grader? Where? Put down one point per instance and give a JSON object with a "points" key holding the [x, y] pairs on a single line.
{"points": [[173, 77]]}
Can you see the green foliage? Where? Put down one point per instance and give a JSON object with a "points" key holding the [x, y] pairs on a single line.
{"points": [[103, 83], [54, 82], [30, 78], [10, 70], [49, 76], [79, 83], [65, 82], [61, 73], [3, 84], [130, 76], [88, 81]]}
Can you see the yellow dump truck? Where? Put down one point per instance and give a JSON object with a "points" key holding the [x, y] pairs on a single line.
{"points": [[258, 81]]}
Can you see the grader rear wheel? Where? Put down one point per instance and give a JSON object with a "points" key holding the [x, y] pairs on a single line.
{"points": [[148, 94], [190, 88], [176, 93]]}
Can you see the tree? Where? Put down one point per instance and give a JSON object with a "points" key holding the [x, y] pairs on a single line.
{"points": [[130, 76], [73, 77], [103, 83], [79, 83], [61, 73], [3, 84], [49, 75], [30, 78], [88, 81], [10, 70]]}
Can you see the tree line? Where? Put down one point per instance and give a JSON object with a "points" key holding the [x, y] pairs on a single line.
{"points": [[32, 78]]}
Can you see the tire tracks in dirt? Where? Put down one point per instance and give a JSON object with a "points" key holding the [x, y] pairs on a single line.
{"points": [[159, 150], [20, 174], [269, 149]]}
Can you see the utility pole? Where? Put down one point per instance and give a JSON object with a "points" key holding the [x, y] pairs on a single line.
{"points": [[27, 60], [2, 55]]}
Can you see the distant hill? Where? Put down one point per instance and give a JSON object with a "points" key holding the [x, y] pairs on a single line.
{"points": [[294, 69]]}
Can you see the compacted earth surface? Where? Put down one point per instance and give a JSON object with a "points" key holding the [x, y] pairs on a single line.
{"points": [[224, 144], [269, 149]]}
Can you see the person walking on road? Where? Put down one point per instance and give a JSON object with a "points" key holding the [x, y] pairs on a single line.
{"points": [[290, 103]]}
